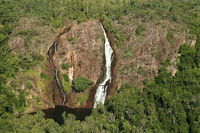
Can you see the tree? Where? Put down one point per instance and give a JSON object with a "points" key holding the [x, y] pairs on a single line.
{"points": [[80, 84]]}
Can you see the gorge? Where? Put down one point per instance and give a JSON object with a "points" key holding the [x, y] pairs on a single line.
{"points": [[50, 54], [101, 89]]}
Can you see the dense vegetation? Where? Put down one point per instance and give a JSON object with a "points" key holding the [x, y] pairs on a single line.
{"points": [[80, 84], [167, 104]]}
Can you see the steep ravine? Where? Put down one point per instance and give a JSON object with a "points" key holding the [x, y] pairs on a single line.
{"points": [[50, 54]]}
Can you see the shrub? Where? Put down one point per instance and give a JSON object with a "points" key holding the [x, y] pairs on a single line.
{"points": [[72, 40], [140, 70], [66, 77], [2, 37], [80, 84], [81, 99], [27, 32], [66, 83], [44, 76], [13, 84], [29, 85], [170, 37], [38, 57], [65, 66], [127, 54], [139, 30], [26, 62]]}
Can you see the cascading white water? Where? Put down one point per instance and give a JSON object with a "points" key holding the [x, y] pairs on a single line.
{"points": [[100, 95], [59, 84], [56, 74]]}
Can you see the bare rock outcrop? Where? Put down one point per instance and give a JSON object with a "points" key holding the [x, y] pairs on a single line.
{"points": [[141, 55], [82, 49]]}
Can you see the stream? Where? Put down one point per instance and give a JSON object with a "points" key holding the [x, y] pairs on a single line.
{"points": [[101, 92], [56, 112], [51, 52]]}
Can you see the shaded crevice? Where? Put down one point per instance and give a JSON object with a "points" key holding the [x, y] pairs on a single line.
{"points": [[51, 52]]}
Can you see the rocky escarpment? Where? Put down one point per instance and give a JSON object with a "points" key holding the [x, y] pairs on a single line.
{"points": [[80, 53]]}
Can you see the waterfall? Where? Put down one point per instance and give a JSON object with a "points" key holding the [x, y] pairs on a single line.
{"points": [[50, 53], [56, 74], [100, 95], [60, 86]]}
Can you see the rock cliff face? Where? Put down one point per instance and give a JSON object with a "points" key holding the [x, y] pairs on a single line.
{"points": [[81, 49], [80, 53]]}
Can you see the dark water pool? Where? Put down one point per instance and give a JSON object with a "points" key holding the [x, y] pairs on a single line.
{"points": [[56, 113]]}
